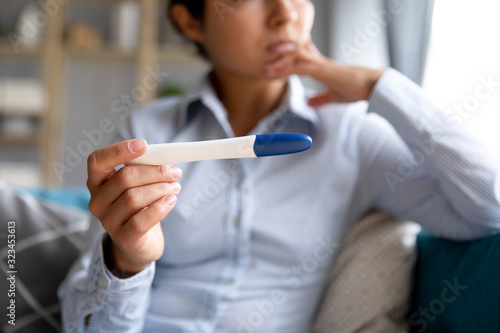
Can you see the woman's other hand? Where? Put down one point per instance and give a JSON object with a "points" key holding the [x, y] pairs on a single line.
{"points": [[344, 84]]}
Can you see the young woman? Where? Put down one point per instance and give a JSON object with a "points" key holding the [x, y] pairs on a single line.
{"points": [[250, 242]]}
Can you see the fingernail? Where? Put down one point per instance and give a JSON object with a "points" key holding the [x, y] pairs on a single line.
{"points": [[171, 199], [177, 188], [137, 145], [175, 172]]}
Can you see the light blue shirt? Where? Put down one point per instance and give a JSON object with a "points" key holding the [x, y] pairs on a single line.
{"points": [[250, 242]]}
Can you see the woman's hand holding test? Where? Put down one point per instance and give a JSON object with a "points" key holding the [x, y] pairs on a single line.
{"points": [[130, 203]]}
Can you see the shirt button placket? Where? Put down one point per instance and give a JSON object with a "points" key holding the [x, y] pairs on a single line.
{"points": [[239, 201], [236, 224]]}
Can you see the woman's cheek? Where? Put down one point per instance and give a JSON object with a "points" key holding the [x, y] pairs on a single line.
{"points": [[307, 20]]}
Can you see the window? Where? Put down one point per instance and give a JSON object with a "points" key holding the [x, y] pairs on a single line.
{"points": [[463, 69]]}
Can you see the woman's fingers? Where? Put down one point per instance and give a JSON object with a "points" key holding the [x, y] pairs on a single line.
{"points": [[101, 163], [142, 222], [305, 60], [322, 99], [277, 68], [134, 200], [132, 176]]}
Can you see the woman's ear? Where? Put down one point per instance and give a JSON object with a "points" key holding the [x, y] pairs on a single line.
{"points": [[190, 27]]}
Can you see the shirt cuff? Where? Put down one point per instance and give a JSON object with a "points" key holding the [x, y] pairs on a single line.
{"points": [[113, 293]]}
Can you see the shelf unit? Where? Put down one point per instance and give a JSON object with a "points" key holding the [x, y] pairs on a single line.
{"points": [[53, 55]]}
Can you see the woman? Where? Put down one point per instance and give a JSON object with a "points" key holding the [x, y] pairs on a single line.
{"points": [[250, 242]]}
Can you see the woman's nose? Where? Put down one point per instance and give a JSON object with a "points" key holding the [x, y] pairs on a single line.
{"points": [[282, 12]]}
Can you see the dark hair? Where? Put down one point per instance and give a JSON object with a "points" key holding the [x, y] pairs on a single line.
{"points": [[197, 10]]}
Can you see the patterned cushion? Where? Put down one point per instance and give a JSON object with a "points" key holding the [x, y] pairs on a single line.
{"points": [[48, 239], [371, 280]]}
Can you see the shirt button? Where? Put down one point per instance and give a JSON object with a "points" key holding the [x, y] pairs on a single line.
{"points": [[98, 297], [102, 282], [237, 221], [101, 286]]}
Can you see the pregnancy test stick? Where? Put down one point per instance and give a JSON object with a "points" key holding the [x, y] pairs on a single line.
{"points": [[240, 147]]}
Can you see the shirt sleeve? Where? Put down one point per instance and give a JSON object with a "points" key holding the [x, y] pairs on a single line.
{"points": [[418, 164], [90, 289]]}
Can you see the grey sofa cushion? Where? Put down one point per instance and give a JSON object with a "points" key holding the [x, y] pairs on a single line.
{"points": [[48, 239]]}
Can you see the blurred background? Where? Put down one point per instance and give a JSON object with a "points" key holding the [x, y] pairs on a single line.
{"points": [[71, 70]]}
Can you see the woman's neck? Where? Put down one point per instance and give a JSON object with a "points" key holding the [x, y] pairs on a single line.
{"points": [[247, 100]]}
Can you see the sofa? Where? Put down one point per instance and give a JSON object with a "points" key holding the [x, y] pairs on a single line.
{"points": [[390, 276]]}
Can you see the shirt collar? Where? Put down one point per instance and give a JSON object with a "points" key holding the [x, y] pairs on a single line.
{"points": [[295, 102]]}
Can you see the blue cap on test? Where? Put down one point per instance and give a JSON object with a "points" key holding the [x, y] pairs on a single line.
{"points": [[281, 144]]}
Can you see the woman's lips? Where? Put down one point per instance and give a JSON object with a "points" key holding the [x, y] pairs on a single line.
{"points": [[281, 47]]}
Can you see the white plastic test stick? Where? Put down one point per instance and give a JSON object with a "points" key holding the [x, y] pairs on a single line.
{"points": [[240, 147]]}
